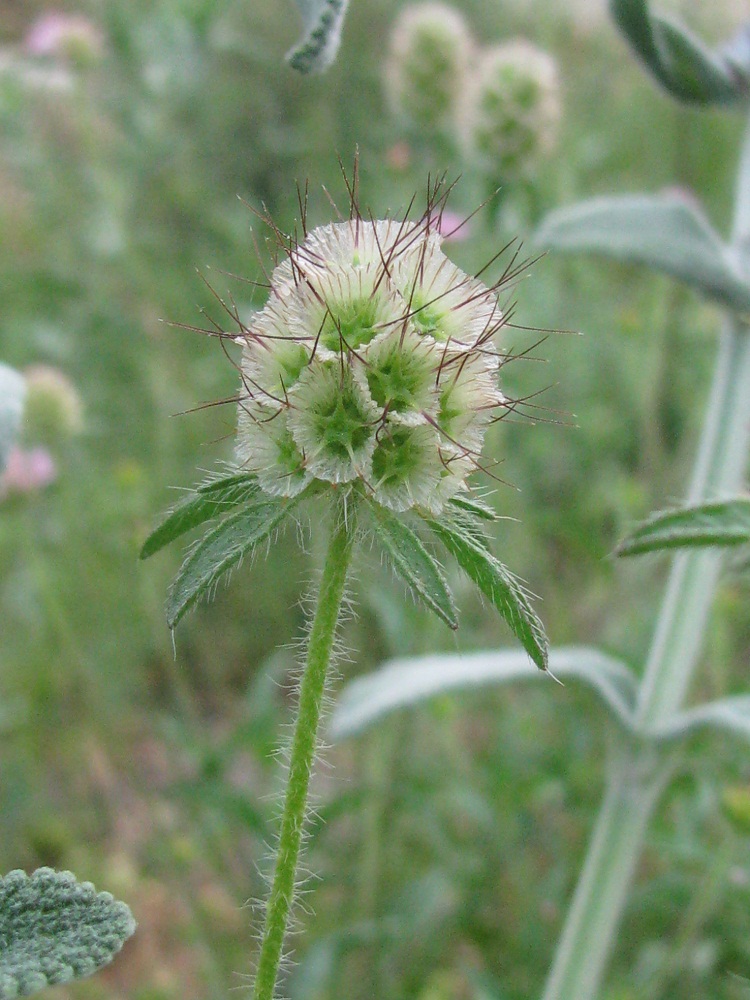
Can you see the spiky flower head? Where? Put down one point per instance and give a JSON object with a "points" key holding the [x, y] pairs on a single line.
{"points": [[53, 410], [430, 49], [511, 109], [371, 364]]}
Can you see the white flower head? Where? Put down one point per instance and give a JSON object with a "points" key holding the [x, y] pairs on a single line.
{"points": [[430, 51], [511, 111], [372, 364]]}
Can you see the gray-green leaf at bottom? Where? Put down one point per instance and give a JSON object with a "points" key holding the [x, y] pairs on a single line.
{"points": [[725, 522], [662, 231], [497, 583], [414, 563], [54, 929], [220, 549], [404, 683]]}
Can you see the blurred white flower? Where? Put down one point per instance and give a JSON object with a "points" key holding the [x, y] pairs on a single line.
{"points": [[511, 109], [430, 50]]}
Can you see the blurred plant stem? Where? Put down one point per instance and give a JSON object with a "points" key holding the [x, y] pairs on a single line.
{"points": [[639, 770], [303, 750]]}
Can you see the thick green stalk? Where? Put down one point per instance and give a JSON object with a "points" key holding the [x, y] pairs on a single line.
{"points": [[635, 782], [303, 752]]}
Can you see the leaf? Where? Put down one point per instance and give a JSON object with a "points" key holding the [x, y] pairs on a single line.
{"points": [[727, 715], [54, 929], [403, 683], [676, 57], [497, 583], [318, 47], [417, 567], [220, 549], [718, 523], [208, 500], [473, 505], [12, 397], [663, 232]]}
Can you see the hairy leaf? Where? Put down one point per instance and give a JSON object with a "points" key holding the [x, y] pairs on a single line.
{"points": [[719, 523], [12, 396], [417, 567], [317, 49], [406, 682], [54, 929], [726, 716], [682, 64], [222, 548], [497, 583], [663, 232], [207, 501]]}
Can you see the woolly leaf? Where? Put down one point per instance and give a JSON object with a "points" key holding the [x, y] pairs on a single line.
{"points": [[414, 563], [680, 62], [663, 232], [497, 583], [12, 396], [726, 716], [54, 929], [404, 683], [317, 49], [208, 500], [222, 548], [722, 523]]}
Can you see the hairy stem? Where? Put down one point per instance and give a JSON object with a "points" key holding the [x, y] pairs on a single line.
{"points": [[635, 783], [303, 752]]}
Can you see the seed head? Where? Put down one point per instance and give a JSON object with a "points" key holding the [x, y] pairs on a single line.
{"points": [[511, 110], [429, 56], [372, 363]]}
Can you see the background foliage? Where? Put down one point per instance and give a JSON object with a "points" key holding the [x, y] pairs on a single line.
{"points": [[450, 839]]}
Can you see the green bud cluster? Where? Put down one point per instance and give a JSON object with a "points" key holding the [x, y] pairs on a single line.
{"points": [[512, 109], [372, 362]]}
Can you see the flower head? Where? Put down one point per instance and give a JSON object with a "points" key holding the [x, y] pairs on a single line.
{"points": [[512, 109], [372, 363], [429, 55], [70, 37]]}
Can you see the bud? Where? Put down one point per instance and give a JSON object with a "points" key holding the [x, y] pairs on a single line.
{"points": [[372, 364], [430, 49], [53, 411], [512, 109]]}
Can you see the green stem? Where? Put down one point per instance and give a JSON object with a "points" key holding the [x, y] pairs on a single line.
{"points": [[635, 783], [303, 752]]}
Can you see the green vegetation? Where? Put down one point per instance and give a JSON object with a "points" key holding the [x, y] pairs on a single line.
{"points": [[449, 839]]}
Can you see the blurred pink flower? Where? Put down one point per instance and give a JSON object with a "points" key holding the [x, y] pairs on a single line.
{"points": [[67, 36], [27, 471], [454, 227]]}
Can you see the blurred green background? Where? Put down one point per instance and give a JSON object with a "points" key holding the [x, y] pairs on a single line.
{"points": [[448, 840]]}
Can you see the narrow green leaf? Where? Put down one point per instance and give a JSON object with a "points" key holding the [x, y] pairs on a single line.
{"points": [[222, 548], [403, 683], [497, 583], [663, 232], [208, 500], [417, 567], [473, 505], [718, 523], [323, 20], [679, 61], [12, 397], [54, 929]]}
